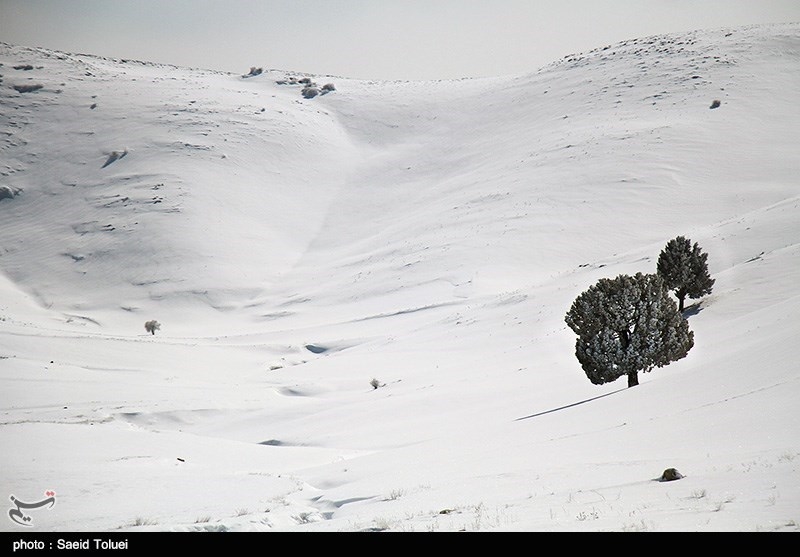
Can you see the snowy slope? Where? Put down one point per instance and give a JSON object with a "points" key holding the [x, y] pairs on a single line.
{"points": [[429, 235]]}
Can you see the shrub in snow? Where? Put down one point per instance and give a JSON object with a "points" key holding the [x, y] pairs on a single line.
{"points": [[375, 383], [670, 475], [27, 88], [684, 270], [310, 92], [327, 88], [627, 325], [254, 71], [7, 192], [152, 326], [715, 104]]}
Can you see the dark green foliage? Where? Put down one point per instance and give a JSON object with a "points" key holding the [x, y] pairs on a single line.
{"points": [[627, 325], [152, 326], [684, 270]]}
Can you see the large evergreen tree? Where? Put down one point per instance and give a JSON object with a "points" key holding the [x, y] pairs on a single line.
{"points": [[684, 270], [627, 325]]}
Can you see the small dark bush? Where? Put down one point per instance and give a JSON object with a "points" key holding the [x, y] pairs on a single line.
{"points": [[670, 475], [715, 104], [28, 88], [25, 67], [7, 192], [310, 92]]}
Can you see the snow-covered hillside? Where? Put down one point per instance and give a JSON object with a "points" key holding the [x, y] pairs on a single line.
{"points": [[426, 235]]}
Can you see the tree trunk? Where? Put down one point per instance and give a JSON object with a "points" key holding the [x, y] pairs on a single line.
{"points": [[633, 379], [680, 304]]}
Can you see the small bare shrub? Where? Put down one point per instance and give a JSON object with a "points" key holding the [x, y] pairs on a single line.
{"points": [[327, 88], [395, 494], [640, 526], [719, 505], [382, 524], [304, 518], [699, 494], [374, 383], [152, 326]]}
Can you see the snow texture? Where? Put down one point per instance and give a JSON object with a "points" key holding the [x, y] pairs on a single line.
{"points": [[362, 294]]}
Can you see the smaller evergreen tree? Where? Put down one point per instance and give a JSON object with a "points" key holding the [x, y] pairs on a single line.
{"points": [[684, 269]]}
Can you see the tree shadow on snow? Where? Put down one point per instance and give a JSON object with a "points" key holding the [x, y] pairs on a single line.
{"points": [[568, 405], [692, 310]]}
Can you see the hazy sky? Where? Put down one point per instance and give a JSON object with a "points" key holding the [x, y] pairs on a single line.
{"points": [[369, 39]]}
